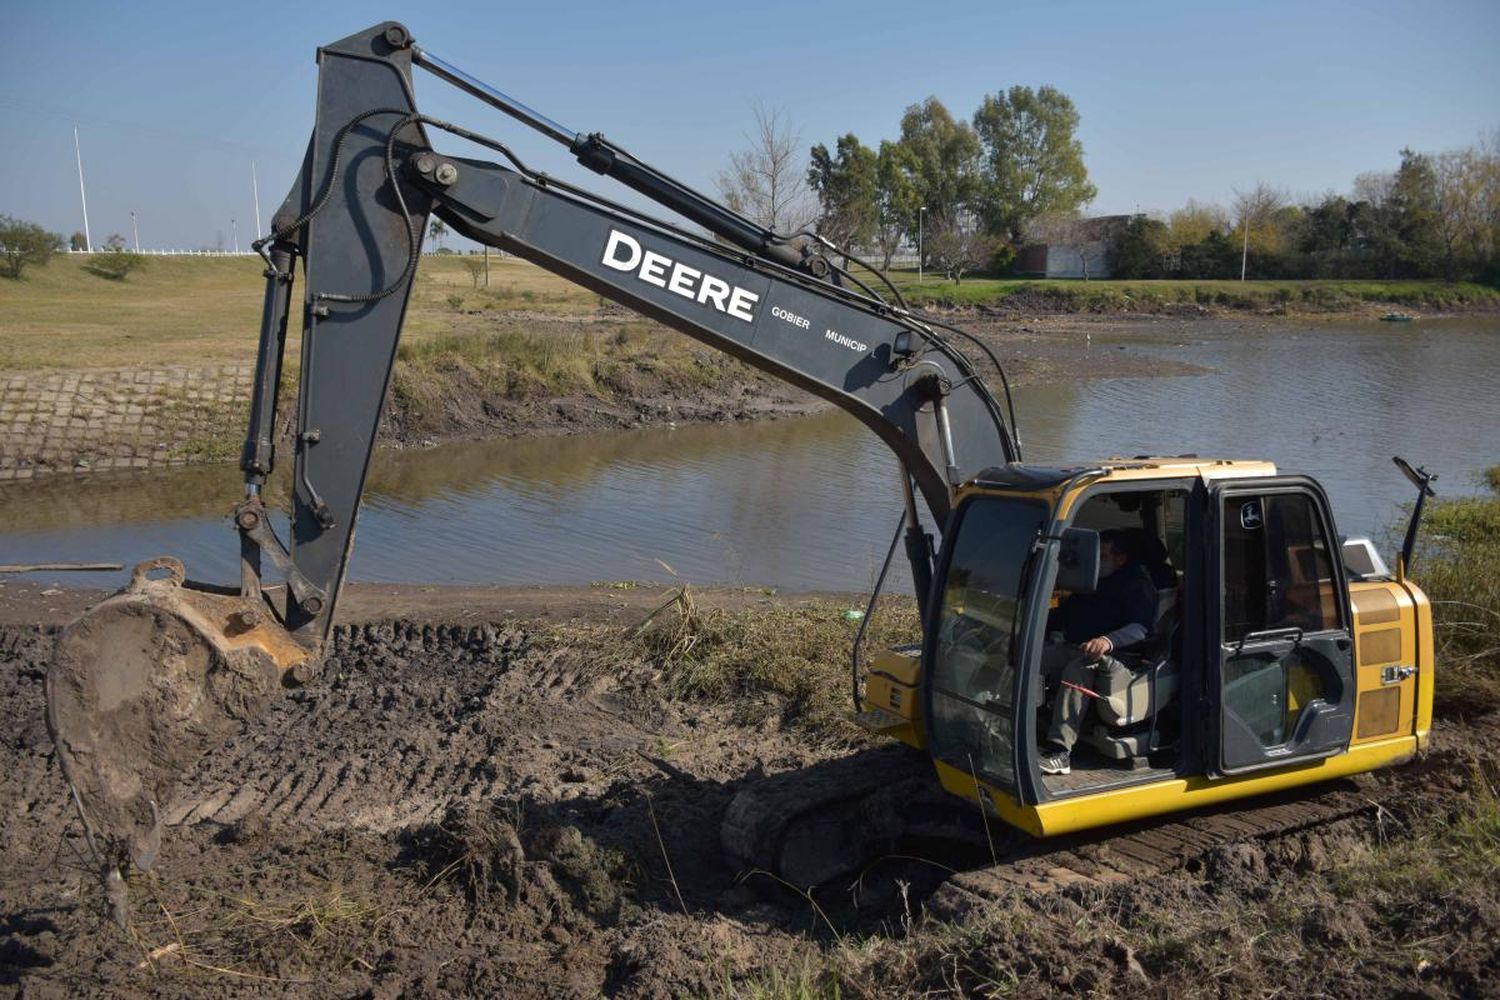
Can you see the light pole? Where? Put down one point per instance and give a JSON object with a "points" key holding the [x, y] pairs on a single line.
{"points": [[136, 232], [920, 212], [255, 193], [235, 227]]}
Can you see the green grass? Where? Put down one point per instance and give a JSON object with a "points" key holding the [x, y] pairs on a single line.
{"points": [[1153, 296]]}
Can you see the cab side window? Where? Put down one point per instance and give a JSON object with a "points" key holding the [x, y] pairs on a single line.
{"points": [[1278, 570]]}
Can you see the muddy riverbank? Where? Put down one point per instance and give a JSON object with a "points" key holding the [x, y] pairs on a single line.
{"points": [[508, 375]]}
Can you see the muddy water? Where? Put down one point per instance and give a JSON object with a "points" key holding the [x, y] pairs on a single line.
{"points": [[811, 503]]}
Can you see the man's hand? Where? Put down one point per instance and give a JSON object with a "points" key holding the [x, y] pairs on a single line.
{"points": [[1097, 648]]}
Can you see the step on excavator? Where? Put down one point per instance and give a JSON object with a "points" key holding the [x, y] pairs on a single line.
{"points": [[1283, 655]]}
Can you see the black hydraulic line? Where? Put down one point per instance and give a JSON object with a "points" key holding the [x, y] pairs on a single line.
{"points": [[1010, 403], [864, 623]]}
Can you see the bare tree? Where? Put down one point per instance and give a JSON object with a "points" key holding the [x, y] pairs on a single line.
{"points": [[767, 182], [1468, 205], [1069, 232], [1254, 208], [956, 245]]}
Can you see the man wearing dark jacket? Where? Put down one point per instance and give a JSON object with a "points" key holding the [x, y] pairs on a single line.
{"points": [[1119, 614]]}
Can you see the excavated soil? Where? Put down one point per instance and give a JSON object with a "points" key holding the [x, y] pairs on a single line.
{"points": [[518, 808]]}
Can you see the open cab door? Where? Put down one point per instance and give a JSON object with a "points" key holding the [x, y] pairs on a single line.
{"points": [[1285, 688]]}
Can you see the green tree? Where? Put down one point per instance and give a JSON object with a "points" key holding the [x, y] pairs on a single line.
{"points": [[1328, 226], [78, 241], [1413, 210], [847, 185], [940, 156], [437, 230], [115, 262], [1032, 159], [897, 198], [1140, 249], [23, 244]]}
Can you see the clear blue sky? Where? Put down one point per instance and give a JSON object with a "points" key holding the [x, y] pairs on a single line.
{"points": [[175, 100]]}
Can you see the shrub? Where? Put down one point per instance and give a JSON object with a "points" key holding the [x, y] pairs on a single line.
{"points": [[115, 262], [23, 244]]}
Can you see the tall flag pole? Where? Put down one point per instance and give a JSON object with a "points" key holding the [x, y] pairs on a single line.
{"points": [[88, 243]]}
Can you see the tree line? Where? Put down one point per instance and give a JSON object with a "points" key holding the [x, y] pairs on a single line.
{"points": [[1434, 216], [977, 190], [971, 188]]}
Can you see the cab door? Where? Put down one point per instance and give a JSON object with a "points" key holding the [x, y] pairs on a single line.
{"points": [[1285, 688]]}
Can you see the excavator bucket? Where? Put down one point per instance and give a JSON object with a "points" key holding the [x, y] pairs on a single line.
{"points": [[145, 683]]}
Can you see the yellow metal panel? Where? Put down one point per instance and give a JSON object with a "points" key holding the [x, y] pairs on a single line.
{"points": [[1122, 805], [1424, 659], [902, 664], [1391, 642], [882, 723], [1381, 645], [898, 699], [1375, 605], [1174, 794], [1379, 713], [1001, 804]]}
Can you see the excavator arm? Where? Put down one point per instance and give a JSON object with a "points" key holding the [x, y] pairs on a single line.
{"points": [[356, 216], [135, 669]]}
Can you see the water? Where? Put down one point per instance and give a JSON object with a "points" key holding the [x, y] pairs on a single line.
{"points": [[810, 504]]}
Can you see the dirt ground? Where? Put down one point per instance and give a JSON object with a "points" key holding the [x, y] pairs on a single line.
{"points": [[494, 793]]}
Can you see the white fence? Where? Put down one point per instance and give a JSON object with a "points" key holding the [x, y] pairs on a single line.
{"points": [[176, 253]]}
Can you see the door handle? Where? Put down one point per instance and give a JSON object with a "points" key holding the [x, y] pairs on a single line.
{"points": [[1395, 674]]}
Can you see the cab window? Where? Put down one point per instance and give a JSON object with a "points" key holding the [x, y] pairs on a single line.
{"points": [[973, 669]]}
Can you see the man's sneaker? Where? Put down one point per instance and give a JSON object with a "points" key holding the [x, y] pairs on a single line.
{"points": [[1056, 762]]}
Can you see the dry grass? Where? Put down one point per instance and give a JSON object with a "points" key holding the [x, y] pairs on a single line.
{"points": [[204, 310], [276, 923], [1455, 564], [179, 310], [796, 657]]}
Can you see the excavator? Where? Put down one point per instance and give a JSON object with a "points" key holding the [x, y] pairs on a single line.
{"points": [[1283, 655]]}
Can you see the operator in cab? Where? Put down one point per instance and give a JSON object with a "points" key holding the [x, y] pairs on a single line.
{"points": [[1119, 614]]}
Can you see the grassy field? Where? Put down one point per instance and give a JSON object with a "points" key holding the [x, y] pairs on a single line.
{"points": [[203, 310], [1151, 296]]}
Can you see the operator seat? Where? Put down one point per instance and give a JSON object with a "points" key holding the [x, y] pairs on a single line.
{"points": [[1136, 733]]}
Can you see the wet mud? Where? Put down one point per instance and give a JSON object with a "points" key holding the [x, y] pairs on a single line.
{"points": [[519, 807]]}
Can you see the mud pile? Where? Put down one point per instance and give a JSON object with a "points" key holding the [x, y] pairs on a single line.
{"points": [[522, 809]]}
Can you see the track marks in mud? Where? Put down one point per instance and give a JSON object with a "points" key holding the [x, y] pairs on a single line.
{"points": [[409, 719]]}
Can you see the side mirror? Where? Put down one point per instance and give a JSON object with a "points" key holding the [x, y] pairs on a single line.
{"points": [[1078, 561]]}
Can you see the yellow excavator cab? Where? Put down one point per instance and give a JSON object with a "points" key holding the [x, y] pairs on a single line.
{"points": [[1270, 662]]}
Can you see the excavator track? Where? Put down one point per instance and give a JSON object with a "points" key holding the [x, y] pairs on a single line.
{"points": [[822, 826]]}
